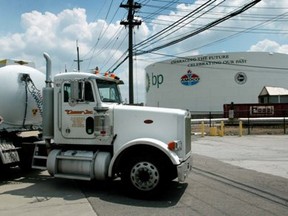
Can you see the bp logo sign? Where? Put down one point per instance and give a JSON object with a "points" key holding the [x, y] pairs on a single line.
{"points": [[155, 80], [189, 79]]}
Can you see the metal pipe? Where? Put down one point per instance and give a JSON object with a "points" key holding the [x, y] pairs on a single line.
{"points": [[48, 69], [48, 102]]}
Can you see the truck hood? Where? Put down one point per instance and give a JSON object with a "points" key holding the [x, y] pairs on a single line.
{"points": [[133, 122]]}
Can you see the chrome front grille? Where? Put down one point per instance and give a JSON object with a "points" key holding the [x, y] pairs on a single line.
{"points": [[187, 134]]}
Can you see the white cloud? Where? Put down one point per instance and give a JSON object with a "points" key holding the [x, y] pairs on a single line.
{"points": [[10, 43], [269, 46], [39, 30], [57, 35]]}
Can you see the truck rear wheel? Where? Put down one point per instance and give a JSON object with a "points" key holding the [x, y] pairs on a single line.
{"points": [[143, 176]]}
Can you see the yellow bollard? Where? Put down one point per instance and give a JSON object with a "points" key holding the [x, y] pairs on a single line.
{"points": [[221, 132], [213, 131], [240, 128], [202, 129]]}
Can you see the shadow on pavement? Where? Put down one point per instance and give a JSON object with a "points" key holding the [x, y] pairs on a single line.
{"points": [[40, 186], [114, 192]]}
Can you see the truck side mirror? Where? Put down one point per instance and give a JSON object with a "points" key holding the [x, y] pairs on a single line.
{"points": [[74, 90], [77, 92]]}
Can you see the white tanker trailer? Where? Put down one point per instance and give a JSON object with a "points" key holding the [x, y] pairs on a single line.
{"points": [[20, 111]]}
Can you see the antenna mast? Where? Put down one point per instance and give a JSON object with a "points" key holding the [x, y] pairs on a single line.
{"points": [[78, 58]]}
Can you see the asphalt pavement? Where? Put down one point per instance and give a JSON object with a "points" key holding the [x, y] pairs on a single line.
{"points": [[40, 194], [53, 197], [263, 153]]}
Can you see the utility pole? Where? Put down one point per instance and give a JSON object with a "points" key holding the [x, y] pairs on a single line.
{"points": [[78, 58], [130, 22]]}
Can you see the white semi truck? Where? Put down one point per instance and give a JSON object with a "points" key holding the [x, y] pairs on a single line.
{"points": [[89, 134], [20, 111]]}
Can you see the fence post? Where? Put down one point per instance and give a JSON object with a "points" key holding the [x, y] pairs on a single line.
{"points": [[210, 119], [202, 129], [240, 128], [248, 122], [284, 122]]}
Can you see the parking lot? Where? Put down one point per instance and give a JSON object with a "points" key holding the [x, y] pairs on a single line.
{"points": [[225, 170]]}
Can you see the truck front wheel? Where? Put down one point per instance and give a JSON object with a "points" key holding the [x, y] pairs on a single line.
{"points": [[143, 176]]}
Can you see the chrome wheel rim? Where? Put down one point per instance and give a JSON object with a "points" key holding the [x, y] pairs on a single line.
{"points": [[145, 176]]}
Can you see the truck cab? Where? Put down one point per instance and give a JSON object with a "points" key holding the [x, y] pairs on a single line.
{"points": [[91, 134], [84, 108]]}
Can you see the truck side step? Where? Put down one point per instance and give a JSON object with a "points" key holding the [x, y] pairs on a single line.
{"points": [[40, 156]]}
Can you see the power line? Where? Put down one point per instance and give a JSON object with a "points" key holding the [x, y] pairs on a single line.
{"points": [[173, 25], [161, 8], [197, 31], [234, 13], [92, 52], [102, 32], [120, 63], [111, 57], [233, 29], [238, 33], [180, 26]]}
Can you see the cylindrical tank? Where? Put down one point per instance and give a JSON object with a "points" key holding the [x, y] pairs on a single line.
{"points": [[17, 105]]}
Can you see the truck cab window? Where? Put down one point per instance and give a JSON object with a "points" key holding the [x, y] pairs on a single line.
{"points": [[84, 94], [108, 91], [88, 92], [67, 92]]}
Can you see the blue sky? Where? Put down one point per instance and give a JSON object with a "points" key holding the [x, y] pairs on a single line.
{"points": [[31, 27], [13, 9]]}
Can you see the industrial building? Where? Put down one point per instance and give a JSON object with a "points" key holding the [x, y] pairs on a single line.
{"points": [[204, 83]]}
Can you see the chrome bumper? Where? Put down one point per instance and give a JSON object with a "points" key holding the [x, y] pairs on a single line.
{"points": [[183, 169]]}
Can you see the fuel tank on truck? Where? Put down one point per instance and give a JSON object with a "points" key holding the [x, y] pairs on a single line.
{"points": [[20, 95]]}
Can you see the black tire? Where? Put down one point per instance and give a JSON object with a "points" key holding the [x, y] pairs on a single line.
{"points": [[143, 176]]}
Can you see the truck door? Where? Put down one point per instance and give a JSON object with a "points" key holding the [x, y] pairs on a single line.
{"points": [[77, 114]]}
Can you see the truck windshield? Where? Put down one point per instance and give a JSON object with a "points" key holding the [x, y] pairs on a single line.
{"points": [[108, 91]]}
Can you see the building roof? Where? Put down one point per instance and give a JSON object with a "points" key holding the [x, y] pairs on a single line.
{"points": [[273, 91]]}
